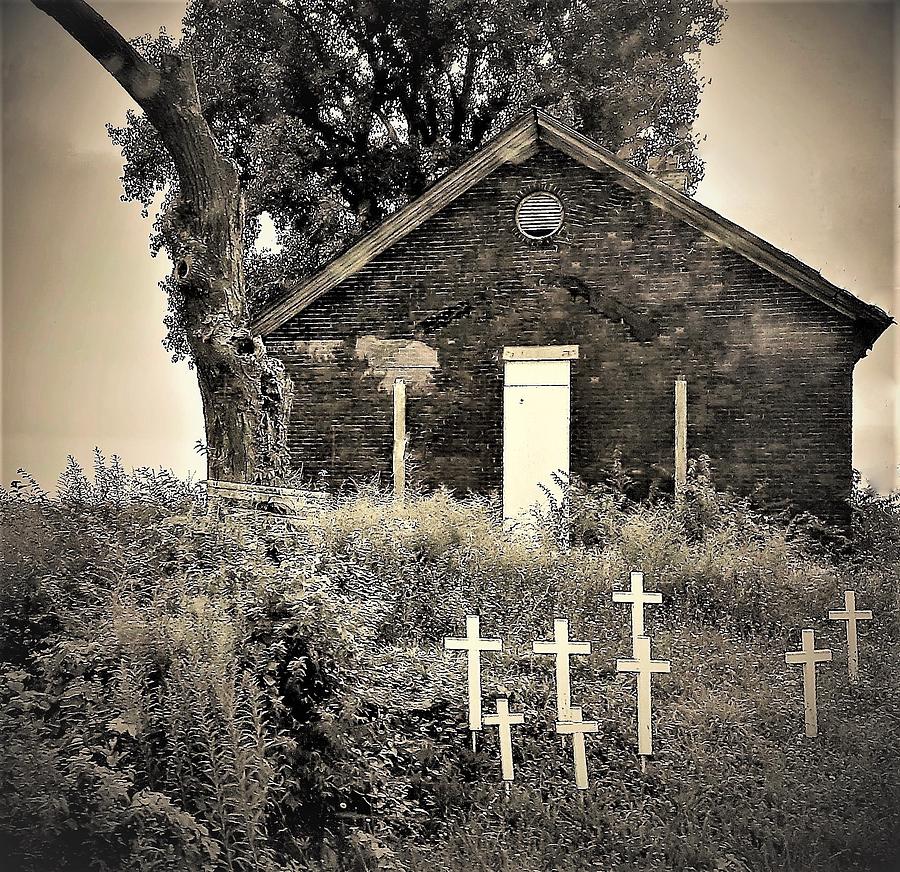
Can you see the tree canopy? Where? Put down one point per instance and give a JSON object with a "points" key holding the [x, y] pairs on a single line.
{"points": [[338, 112]]}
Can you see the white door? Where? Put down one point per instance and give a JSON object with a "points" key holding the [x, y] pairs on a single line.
{"points": [[536, 412]]}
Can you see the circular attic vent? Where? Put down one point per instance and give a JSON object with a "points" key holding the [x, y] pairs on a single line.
{"points": [[539, 215]]}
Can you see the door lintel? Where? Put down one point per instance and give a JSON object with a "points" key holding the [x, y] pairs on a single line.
{"points": [[540, 352]]}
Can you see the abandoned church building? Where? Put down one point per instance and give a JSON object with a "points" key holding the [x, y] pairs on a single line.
{"points": [[532, 311]]}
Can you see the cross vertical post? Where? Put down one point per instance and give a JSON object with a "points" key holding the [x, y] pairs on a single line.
{"points": [[644, 667], [473, 645], [399, 459], [575, 727], [808, 657], [563, 649], [638, 599], [503, 719], [851, 616], [680, 438]]}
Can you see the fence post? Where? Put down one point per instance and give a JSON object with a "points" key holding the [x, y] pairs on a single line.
{"points": [[680, 438], [399, 439]]}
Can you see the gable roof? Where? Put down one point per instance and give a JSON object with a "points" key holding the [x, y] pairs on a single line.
{"points": [[516, 144]]}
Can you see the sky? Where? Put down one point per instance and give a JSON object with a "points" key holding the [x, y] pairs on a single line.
{"points": [[799, 123]]}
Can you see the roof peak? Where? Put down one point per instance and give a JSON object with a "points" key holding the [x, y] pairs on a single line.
{"points": [[519, 141]]}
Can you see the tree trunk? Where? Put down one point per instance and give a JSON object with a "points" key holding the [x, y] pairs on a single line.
{"points": [[246, 394]]}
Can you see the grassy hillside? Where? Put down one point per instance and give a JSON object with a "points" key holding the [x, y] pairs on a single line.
{"points": [[182, 694]]}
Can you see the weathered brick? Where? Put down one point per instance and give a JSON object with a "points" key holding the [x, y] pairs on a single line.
{"points": [[646, 297]]}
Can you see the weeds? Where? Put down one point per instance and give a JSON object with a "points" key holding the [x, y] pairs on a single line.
{"points": [[177, 692]]}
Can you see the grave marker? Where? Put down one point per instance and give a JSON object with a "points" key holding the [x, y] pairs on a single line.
{"points": [[504, 720], [851, 616], [473, 645], [575, 727], [562, 648], [808, 657], [644, 667], [638, 599]]}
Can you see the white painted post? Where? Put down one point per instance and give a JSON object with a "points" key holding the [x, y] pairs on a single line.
{"points": [[808, 657], [638, 599], [680, 438], [851, 616], [399, 439], [473, 645], [562, 648], [503, 719]]}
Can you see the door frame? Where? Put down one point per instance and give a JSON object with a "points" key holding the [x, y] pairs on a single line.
{"points": [[546, 353]]}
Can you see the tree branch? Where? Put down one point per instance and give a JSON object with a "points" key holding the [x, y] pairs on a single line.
{"points": [[286, 9], [167, 94], [461, 99], [245, 393], [391, 130], [105, 44]]}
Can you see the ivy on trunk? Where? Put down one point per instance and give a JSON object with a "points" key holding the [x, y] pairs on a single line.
{"points": [[246, 394]]}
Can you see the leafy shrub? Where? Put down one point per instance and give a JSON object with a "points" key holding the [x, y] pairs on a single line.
{"points": [[178, 692]]}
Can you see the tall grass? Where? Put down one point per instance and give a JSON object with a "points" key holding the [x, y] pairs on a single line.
{"points": [[181, 692]]}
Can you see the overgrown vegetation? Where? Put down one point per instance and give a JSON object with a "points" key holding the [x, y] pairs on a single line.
{"points": [[178, 692]]}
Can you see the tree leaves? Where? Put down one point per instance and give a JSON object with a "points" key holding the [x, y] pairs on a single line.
{"points": [[338, 112]]}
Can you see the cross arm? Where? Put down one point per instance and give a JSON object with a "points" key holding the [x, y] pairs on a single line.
{"points": [[820, 656], [841, 615], [556, 648], [463, 644], [496, 720], [455, 644], [626, 596], [544, 647], [568, 728]]}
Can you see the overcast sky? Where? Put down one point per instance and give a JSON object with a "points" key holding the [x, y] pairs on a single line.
{"points": [[799, 125]]}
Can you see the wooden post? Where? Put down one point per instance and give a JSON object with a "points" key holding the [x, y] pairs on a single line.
{"points": [[680, 438], [399, 439]]}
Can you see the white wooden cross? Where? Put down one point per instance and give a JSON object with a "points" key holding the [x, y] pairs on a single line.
{"points": [[851, 616], [644, 667], [638, 599], [562, 648], [473, 645], [808, 657], [575, 727], [503, 719]]}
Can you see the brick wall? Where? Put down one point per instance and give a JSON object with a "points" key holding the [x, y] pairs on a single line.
{"points": [[644, 296]]}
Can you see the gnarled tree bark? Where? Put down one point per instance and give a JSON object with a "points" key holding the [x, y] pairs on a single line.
{"points": [[246, 394]]}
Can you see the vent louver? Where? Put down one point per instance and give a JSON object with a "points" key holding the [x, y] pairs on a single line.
{"points": [[539, 215]]}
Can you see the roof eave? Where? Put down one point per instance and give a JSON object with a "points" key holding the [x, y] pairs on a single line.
{"points": [[519, 142], [870, 328], [717, 227], [515, 144]]}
